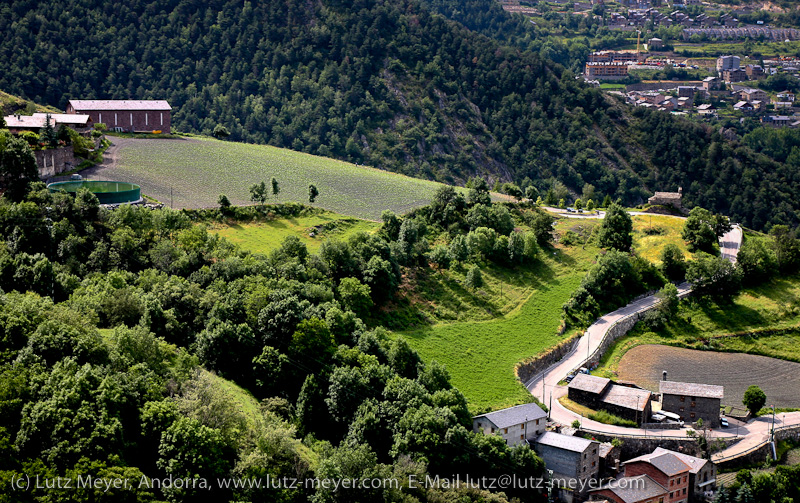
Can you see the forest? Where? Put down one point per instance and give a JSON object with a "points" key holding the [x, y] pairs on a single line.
{"points": [[397, 85]]}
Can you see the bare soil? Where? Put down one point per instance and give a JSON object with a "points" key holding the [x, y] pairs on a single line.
{"points": [[779, 379]]}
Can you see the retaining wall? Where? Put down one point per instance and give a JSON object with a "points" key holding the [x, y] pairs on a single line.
{"points": [[761, 453], [530, 368]]}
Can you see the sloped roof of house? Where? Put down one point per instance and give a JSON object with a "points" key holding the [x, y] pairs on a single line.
{"points": [[566, 442], [590, 383], [81, 105], [629, 398], [65, 118], [513, 416], [666, 462], [635, 489], [690, 389], [24, 121], [694, 464]]}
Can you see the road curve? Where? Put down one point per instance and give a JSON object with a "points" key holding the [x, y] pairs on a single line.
{"points": [[545, 386]]}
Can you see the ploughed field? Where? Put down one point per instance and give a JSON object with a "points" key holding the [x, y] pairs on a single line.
{"points": [[779, 379], [197, 171]]}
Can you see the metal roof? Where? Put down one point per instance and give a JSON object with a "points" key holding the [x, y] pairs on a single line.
{"points": [[690, 389], [590, 383], [566, 442], [513, 416], [65, 118], [81, 105]]}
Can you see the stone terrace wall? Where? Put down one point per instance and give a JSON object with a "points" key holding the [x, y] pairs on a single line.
{"points": [[532, 367]]}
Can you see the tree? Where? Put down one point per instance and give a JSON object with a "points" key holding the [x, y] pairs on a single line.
{"points": [[223, 202], [17, 166], [606, 201], [673, 265], [754, 399], [49, 134], [590, 204], [531, 192], [787, 248], [578, 204], [258, 193], [474, 278], [713, 276], [220, 132], [478, 192], [275, 188], [355, 296], [440, 256], [312, 193], [756, 261], [391, 224], [562, 203], [615, 231], [700, 231]]}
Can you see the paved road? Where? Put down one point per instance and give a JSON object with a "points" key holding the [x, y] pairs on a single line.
{"points": [[545, 386]]}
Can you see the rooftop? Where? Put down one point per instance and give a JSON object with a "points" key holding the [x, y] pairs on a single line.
{"points": [[25, 121], [513, 416], [566, 442], [667, 462], [694, 464], [630, 398], [635, 489], [690, 389], [668, 195], [65, 118], [590, 383], [81, 105]]}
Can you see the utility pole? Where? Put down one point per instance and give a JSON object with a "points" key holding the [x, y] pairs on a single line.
{"points": [[772, 430], [542, 386], [170, 197]]}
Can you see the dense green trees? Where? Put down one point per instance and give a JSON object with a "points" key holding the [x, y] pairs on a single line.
{"points": [[615, 232], [17, 166], [702, 230]]}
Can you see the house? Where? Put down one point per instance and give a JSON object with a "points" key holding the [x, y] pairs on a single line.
{"points": [[606, 71], [655, 44], [667, 470], [706, 109], [777, 120], [702, 473], [126, 115], [684, 103], [692, 401], [667, 198], [686, 91], [754, 72], [601, 393], [609, 459], [782, 105], [785, 96], [743, 106], [640, 489], [517, 425], [750, 95], [728, 63], [78, 122], [20, 123], [734, 75], [570, 458]]}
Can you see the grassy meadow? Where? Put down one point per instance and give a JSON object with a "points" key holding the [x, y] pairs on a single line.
{"points": [[263, 237], [194, 172]]}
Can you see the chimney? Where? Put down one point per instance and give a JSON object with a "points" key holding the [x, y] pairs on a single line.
{"points": [[664, 375]]}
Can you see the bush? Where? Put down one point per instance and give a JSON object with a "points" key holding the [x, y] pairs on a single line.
{"points": [[474, 278], [604, 417]]}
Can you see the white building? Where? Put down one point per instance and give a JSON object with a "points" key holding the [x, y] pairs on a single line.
{"points": [[520, 424]]}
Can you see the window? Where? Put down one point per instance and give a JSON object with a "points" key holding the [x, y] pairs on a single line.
{"points": [[692, 415], [672, 482], [492, 430], [683, 398], [522, 437], [162, 118], [681, 409], [594, 463], [145, 118], [131, 119], [694, 404], [537, 421], [684, 490], [115, 119], [101, 117], [505, 430]]}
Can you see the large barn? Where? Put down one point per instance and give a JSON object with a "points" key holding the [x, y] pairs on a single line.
{"points": [[127, 115]]}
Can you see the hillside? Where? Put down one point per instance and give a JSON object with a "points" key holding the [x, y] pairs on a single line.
{"points": [[391, 85], [10, 104]]}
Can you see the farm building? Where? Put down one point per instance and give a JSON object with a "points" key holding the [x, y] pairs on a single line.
{"points": [[126, 115], [601, 393], [667, 199], [692, 401], [517, 425], [20, 123], [78, 122], [570, 458]]}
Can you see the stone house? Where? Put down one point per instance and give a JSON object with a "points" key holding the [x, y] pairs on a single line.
{"points": [[751, 95], [734, 75], [517, 425], [702, 473], [744, 107], [667, 198], [570, 458], [754, 72], [600, 393], [667, 470], [126, 115], [692, 401]]}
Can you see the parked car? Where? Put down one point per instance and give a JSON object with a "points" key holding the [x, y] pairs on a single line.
{"points": [[723, 421], [75, 177]]}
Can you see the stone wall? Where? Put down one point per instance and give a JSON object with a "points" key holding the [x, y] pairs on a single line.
{"points": [[53, 161], [636, 446], [759, 455], [532, 367]]}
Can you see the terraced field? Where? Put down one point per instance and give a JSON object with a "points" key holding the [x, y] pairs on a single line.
{"points": [[192, 173], [779, 379]]}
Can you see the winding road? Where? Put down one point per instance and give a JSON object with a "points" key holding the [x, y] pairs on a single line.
{"points": [[545, 386]]}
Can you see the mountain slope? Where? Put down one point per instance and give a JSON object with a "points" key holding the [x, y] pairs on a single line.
{"points": [[388, 84]]}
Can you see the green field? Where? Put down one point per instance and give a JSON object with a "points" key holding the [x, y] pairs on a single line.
{"points": [[196, 171], [728, 47], [651, 233], [264, 237]]}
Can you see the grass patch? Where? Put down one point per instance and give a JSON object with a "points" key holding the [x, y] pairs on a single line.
{"points": [[651, 233], [263, 237], [601, 416], [199, 170]]}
